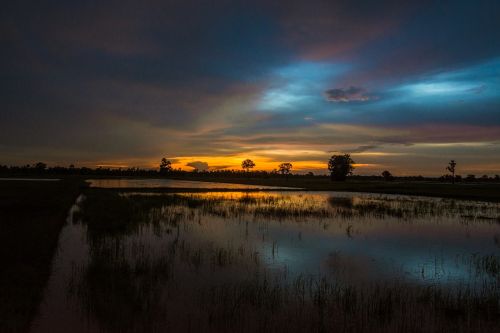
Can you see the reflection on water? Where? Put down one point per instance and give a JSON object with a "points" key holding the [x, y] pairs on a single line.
{"points": [[212, 261], [172, 183], [32, 179]]}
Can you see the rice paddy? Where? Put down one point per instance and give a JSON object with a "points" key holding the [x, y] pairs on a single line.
{"points": [[274, 261]]}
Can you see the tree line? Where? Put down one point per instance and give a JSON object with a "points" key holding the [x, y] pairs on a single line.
{"points": [[340, 168]]}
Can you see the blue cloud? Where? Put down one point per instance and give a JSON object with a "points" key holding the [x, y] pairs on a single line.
{"points": [[299, 86], [477, 83]]}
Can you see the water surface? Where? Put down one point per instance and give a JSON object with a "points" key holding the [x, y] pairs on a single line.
{"points": [[32, 179], [172, 183], [173, 259]]}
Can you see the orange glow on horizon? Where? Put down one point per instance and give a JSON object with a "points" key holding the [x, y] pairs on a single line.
{"points": [[261, 163], [234, 163]]}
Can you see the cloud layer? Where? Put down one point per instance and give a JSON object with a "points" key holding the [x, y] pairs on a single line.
{"points": [[120, 82]]}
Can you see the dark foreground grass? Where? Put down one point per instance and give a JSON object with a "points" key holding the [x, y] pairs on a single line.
{"points": [[32, 214], [466, 191]]}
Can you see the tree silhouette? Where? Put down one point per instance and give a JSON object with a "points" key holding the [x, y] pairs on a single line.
{"points": [[451, 168], [470, 178], [247, 164], [387, 175], [40, 167], [285, 168], [340, 166], [165, 166]]}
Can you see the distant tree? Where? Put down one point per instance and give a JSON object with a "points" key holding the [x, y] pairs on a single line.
{"points": [[165, 166], [310, 174], [451, 168], [40, 167], [497, 178], [247, 165], [340, 166], [470, 178], [285, 168], [387, 175]]}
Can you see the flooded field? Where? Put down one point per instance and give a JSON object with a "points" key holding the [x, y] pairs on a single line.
{"points": [[274, 261], [172, 183], [30, 179]]}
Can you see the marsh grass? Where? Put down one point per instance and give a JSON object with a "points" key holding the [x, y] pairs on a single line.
{"points": [[311, 304], [169, 283], [145, 297], [283, 206], [489, 264]]}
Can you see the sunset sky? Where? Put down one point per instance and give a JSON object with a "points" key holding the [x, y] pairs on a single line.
{"points": [[401, 86]]}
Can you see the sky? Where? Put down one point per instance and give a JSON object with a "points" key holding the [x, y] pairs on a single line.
{"points": [[403, 86]]}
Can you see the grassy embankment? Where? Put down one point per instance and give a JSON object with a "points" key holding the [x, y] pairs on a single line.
{"points": [[32, 214]]}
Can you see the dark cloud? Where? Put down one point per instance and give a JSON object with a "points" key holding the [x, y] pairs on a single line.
{"points": [[345, 95], [364, 148], [434, 38], [113, 80], [199, 165], [357, 150]]}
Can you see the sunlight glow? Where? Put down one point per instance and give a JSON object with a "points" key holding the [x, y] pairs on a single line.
{"points": [[298, 83], [444, 88]]}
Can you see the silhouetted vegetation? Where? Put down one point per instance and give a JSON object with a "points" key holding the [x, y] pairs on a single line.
{"points": [[451, 168], [60, 171], [387, 175], [340, 166], [483, 188], [165, 166], [285, 168], [247, 165]]}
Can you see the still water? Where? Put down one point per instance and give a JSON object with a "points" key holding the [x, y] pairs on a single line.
{"points": [[172, 183], [188, 254], [31, 179]]}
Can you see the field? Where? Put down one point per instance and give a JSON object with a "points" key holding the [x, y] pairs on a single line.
{"points": [[220, 262], [199, 260]]}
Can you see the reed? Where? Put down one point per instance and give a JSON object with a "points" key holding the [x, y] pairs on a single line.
{"points": [[170, 282]]}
